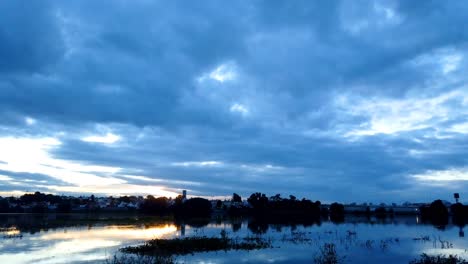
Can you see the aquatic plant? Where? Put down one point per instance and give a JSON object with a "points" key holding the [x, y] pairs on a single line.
{"points": [[422, 238], [444, 244], [140, 259], [328, 255], [190, 245]]}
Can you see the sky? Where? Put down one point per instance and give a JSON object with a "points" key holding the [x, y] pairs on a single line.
{"points": [[347, 101]]}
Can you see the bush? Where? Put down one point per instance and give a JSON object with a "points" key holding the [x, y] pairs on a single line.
{"points": [[337, 212], [197, 207]]}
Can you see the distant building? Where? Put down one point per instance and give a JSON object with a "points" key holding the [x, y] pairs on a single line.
{"points": [[184, 194]]}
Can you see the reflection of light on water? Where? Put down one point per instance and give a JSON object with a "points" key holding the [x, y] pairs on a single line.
{"points": [[115, 232], [98, 241], [81, 244], [11, 232], [76, 246], [60, 252]]}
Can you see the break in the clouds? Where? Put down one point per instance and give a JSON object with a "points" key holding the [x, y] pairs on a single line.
{"points": [[331, 100]]}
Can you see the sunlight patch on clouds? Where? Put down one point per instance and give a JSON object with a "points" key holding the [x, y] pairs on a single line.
{"points": [[34, 181], [239, 108], [222, 73], [456, 174], [392, 116], [30, 121], [210, 163], [140, 178], [387, 14], [262, 168], [377, 16], [108, 138], [461, 128], [11, 193], [417, 153], [116, 189], [450, 62], [148, 179], [238, 167], [5, 178], [31, 155], [446, 60]]}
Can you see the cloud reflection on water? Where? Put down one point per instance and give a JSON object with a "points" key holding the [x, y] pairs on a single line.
{"points": [[77, 244]]}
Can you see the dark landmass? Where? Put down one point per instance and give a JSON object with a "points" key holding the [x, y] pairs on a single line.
{"points": [[257, 205]]}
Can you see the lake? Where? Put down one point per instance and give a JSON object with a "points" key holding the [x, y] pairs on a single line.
{"points": [[44, 239]]}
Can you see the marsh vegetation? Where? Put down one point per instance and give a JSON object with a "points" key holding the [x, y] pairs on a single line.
{"points": [[191, 245]]}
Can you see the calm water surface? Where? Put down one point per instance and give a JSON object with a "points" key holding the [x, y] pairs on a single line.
{"points": [[93, 239]]}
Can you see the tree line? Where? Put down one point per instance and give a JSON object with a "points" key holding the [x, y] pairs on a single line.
{"points": [[257, 204]]}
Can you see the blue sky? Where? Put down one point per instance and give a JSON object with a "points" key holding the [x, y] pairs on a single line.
{"points": [[329, 100]]}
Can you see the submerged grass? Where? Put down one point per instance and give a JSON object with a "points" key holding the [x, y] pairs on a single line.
{"points": [[140, 259], [191, 245], [328, 255]]}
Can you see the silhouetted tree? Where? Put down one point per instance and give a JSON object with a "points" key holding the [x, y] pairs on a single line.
{"points": [[4, 206], [126, 199], [278, 207], [64, 207], [276, 198], [152, 205], [368, 211], [459, 214], [336, 212], [179, 200], [236, 198], [380, 212], [39, 209], [236, 226], [258, 201], [198, 207], [436, 212]]}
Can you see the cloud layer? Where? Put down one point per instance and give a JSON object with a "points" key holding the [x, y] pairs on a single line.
{"points": [[328, 100]]}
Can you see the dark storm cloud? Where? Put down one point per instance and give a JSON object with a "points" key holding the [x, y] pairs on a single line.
{"points": [[133, 72], [30, 39], [294, 97]]}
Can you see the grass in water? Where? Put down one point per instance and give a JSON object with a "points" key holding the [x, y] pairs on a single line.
{"points": [[191, 245], [140, 259], [328, 255]]}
